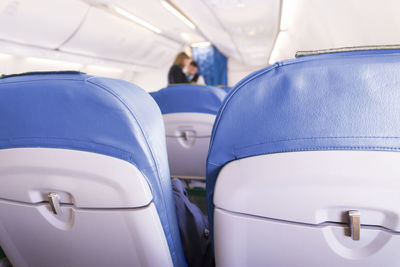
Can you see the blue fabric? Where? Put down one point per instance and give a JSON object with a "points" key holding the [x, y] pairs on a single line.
{"points": [[193, 226], [340, 101], [212, 65], [226, 88], [106, 116], [189, 98]]}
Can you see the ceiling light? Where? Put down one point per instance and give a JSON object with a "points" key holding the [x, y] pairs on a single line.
{"points": [[55, 63], [178, 14], [201, 44], [240, 5], [135, 19], [185, 36], [5, 56]]}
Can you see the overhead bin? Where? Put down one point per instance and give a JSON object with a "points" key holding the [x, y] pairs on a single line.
{"points": [[44, 23], [108, 36]]}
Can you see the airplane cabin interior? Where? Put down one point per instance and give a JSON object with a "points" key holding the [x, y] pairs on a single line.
{"points": [[199, 133]]}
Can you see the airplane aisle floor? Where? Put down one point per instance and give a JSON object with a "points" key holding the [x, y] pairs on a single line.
{"points": [[3, 260], [196, 190], [198, 197]]}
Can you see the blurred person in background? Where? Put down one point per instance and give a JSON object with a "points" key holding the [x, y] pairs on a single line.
{"points": [[192, 72], [176, 74]]}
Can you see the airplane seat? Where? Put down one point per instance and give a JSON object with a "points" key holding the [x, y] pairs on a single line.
{"points": [[84, 174], [303, 167], [189, 113], [226, 88]]}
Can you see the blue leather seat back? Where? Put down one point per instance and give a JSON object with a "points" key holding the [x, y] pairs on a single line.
{"points": [[100, 115], [189, 98], [340, 101], [226, 88], [189, 114]]}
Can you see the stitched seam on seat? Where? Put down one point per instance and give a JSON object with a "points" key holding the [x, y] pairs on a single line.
{"points": [[42, 79], [63, 139], [331, 148], [81, 146], [234, 91], [110, 91], [276, 66], [318, 148], [319, 138], [315, 148]]}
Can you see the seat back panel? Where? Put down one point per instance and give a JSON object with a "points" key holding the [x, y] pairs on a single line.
{"points": [[109, 118], [105, 203], [188, 138], [84, 179], [82, 237], [298, 202], [310, 142], [264, 242], [314, 187]]}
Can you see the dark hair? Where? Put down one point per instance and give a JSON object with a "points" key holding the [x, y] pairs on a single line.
{"points": [[194, 64]]}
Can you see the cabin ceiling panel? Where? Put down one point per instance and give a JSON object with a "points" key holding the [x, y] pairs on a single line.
{"points": [[209, 25], [105, 35], [253, 25], [44, 23], [240, 28], [153, 12], [317, 24]]}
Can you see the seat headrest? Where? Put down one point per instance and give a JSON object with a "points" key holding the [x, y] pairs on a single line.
{"points": [[340, 101], [189, 98], [225, 88], [87, 113], [79, 111]]}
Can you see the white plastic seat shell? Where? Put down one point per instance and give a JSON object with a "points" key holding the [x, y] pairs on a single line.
{"points": [[262, 206], [188, 136], [85, 173], [105, 202], [303, 154]]}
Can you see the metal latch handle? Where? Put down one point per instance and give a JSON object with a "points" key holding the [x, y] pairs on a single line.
{"points": [[54, 202], [355, 224], [185, 135]]}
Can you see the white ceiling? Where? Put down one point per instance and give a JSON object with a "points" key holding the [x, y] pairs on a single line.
{"points": [[153, 12], [30, 23], [90, 29], [323, 24], [104, 35], [244, 30]]}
